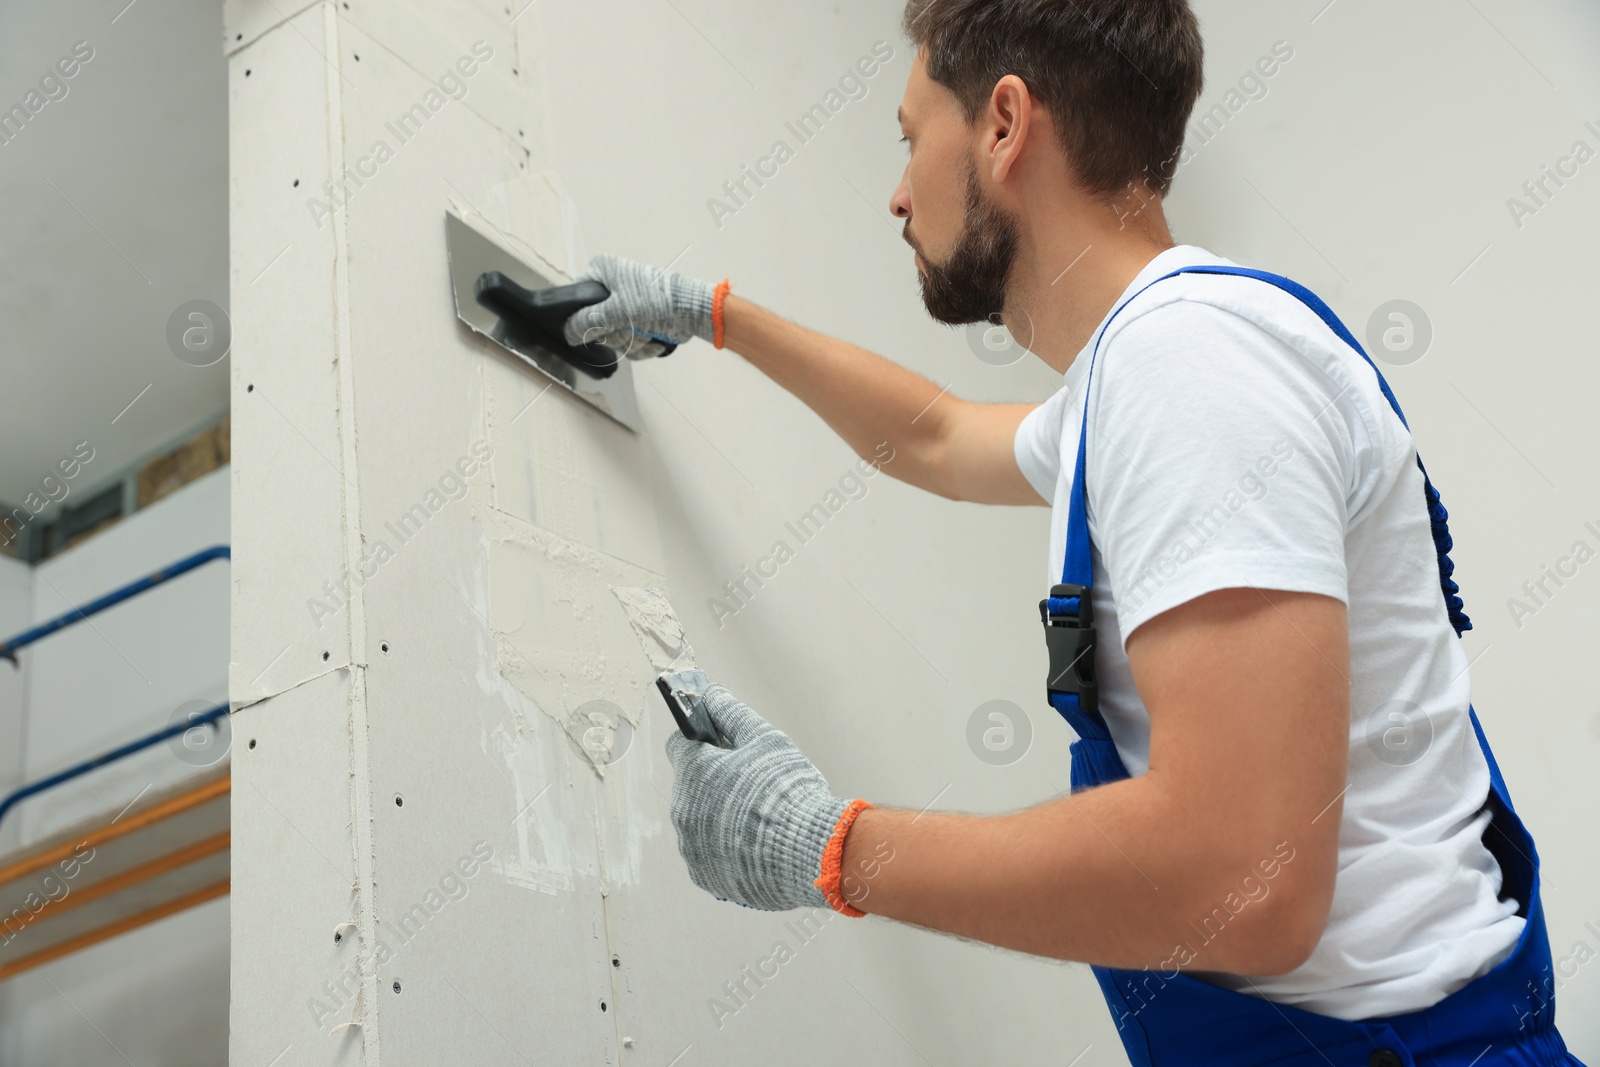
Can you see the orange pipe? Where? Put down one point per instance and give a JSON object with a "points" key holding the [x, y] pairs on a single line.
{"points": [[93, 937], [132, 876], [110, 832]]}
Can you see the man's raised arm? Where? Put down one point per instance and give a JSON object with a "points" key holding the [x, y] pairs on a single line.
{"points": [[952, 447]]}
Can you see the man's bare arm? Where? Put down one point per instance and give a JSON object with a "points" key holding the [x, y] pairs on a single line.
{"points": [[952, 447], [1228, 845]]}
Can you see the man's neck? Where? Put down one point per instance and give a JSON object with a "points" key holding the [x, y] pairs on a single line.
{"points": [[1067, 278]]}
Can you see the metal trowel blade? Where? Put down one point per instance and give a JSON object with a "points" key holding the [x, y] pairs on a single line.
{"points": [[472, 254]]}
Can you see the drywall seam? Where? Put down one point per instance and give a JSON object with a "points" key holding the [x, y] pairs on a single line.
{"points": [[366, 28], [230, 48], [240, 705], [606, 920], [394, 53], [364, 1013]]}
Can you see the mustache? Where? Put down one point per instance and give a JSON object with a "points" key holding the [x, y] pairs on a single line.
{"points": [[905, 232]]}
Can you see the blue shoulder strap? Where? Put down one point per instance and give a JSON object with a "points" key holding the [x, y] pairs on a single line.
{"points": [[1079, 565]]}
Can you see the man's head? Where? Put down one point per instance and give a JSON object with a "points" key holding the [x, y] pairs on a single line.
{"points": [[1006, 96]]}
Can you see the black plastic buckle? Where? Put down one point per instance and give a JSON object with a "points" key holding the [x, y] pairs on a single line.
{"points": [[1071, 642]]}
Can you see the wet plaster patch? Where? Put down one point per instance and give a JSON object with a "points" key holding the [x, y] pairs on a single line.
{"points": [[561, 637], [660, 632]]}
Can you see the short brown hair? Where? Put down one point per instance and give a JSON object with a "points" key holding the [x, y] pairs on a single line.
{"points": [[1117, 77]]}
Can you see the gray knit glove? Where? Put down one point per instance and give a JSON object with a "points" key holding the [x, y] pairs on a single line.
{"points": [[753, 820], [649, 309]]}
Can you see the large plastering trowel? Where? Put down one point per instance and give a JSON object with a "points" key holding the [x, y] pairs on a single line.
{"points": [[517, 307]]}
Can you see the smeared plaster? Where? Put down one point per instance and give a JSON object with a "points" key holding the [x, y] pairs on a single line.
{"points": [[561, 639], [548, 853], [547, 663], [659, 630]]}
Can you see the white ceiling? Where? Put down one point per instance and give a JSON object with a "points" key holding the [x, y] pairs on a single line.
{"points": [[113, 211]]}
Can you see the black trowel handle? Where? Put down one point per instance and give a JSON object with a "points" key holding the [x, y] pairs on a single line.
{"points": [[541, 315]]}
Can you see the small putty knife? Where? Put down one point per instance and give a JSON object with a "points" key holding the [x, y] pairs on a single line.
{"points": [[684, 692], [682, 684]]}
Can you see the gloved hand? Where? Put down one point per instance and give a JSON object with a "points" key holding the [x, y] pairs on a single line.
{"points": [[757, 823], [649, 309]]}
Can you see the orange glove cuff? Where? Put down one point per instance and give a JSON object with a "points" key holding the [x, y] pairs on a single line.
{"points": [[833, 857], [718, 297]]}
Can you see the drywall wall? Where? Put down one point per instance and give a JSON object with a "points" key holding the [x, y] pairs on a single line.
{"points": [[440, 724], [447, 871]]}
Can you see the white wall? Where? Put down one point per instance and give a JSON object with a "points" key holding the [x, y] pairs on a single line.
{"points": [[1379, 167], [157, 994], [1381, 160]]}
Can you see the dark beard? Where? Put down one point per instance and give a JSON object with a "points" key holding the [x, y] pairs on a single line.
{"points": [[971, 285]]}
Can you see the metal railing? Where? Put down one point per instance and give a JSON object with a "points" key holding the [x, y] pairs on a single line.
{"points": [[16, 796], [8, 650]]}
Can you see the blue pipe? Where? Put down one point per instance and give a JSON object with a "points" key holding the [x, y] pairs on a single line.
{"points": [[104, 758], [8, 650]]}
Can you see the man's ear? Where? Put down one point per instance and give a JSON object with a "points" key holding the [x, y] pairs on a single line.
{"points": [[1009, 125]]}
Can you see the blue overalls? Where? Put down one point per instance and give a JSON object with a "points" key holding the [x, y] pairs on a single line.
{"points": [[1505, 1017]]}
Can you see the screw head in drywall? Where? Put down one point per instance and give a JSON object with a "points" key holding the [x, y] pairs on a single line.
{"points": [[399, 801], [397, 985]]}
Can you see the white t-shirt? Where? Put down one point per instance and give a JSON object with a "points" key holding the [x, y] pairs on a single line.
{"points": [[1236, 441]]}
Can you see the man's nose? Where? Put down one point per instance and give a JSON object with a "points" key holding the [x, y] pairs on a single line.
{"points": [[900, 201]]}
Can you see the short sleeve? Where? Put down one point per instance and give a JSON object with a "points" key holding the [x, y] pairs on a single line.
{"points": [[1038, 443], [1217, 459]]}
